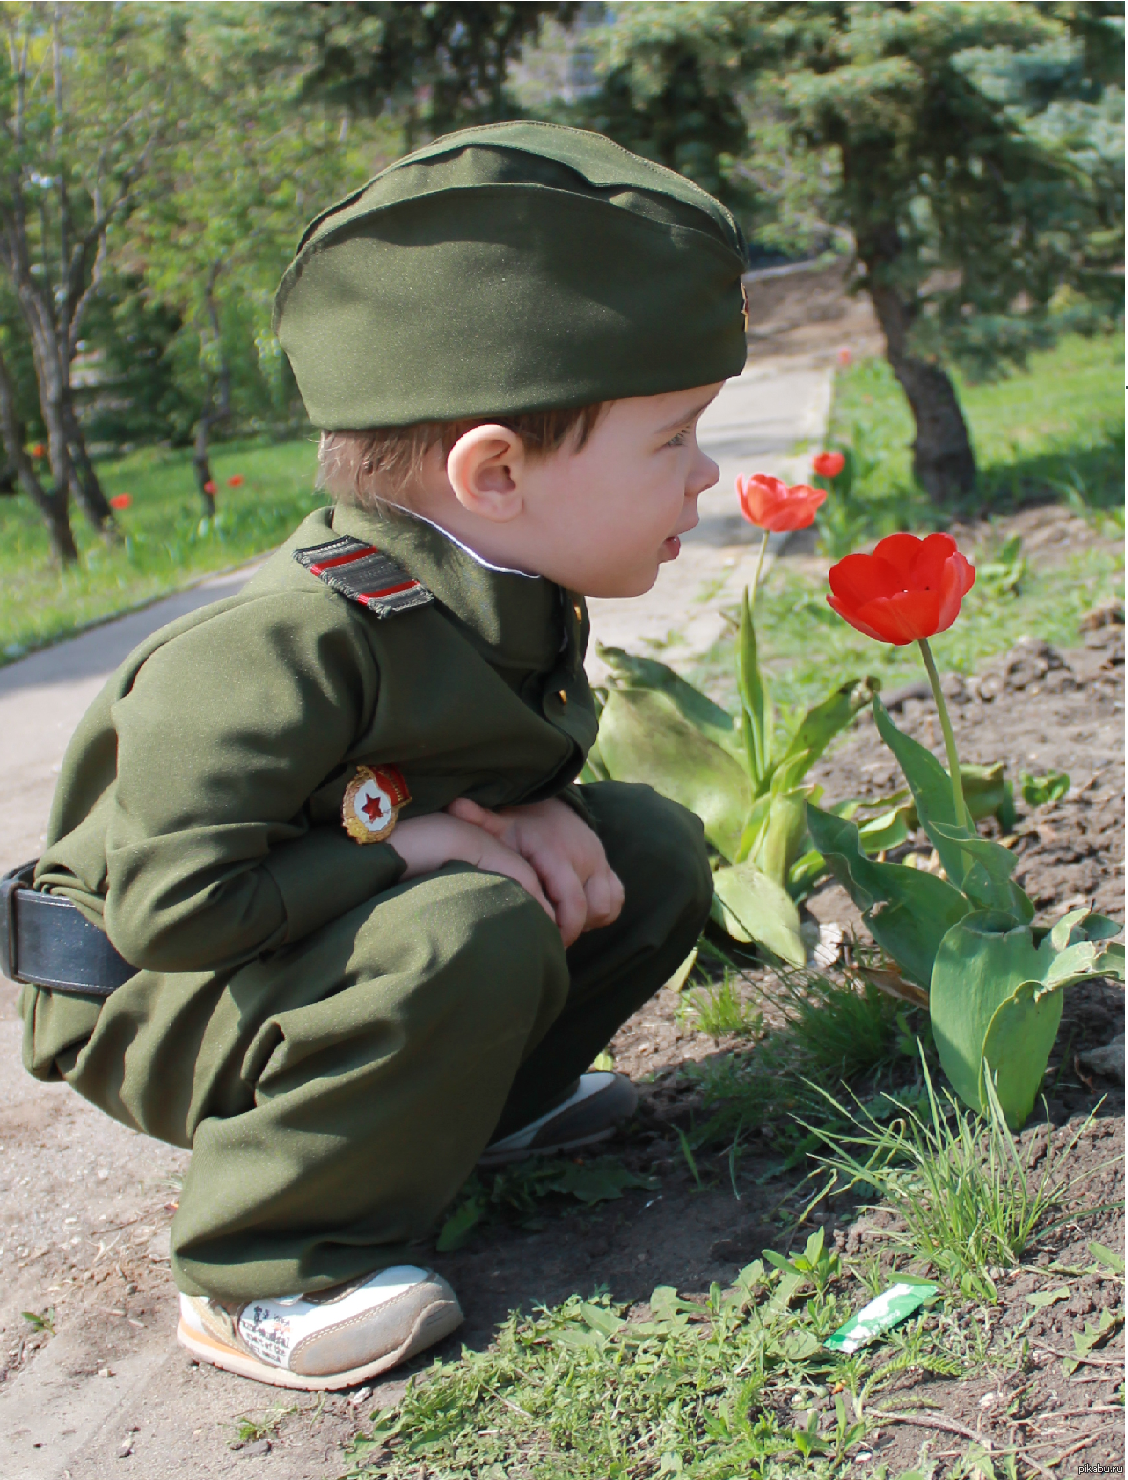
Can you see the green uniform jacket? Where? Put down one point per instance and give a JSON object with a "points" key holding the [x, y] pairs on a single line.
{"points": [[198, 814]]}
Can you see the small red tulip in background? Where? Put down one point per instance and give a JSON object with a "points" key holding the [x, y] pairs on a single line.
{"points": [[38, 450], [844, 357], [768, 503], [209, 487], [908, 589], [828, 464], [121, 501], [236, 480]]}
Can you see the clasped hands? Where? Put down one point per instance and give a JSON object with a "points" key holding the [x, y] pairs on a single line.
{"points": [[545, 847]]}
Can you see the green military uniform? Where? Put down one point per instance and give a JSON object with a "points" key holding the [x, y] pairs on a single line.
{"points": [[338, 1048]]}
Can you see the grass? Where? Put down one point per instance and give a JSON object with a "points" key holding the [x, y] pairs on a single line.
{"points": [[165, 542], [719, 1010], [732, 1386], [971, 1201], [833, 1030]]}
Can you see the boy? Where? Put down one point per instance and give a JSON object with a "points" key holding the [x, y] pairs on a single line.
{"points": [[319, 898]]}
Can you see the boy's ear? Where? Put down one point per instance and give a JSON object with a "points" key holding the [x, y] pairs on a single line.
{"points": [[485, 468]]}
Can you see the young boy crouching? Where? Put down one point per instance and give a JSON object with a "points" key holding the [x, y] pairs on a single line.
{"points": [[339, 920]]}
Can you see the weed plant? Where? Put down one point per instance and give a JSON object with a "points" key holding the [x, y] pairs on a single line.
{"points": [[736, 1385], [970, 1199], [720, 1011], [837, 1029]]}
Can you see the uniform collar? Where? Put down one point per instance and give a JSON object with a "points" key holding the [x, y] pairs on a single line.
{"points": [[513, 618]]}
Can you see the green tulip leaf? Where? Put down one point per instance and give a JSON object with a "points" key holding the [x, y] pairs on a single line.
{"points": [[629, 672], [752, 907], [981, 868], [1017, 1049], [929, 783], [819, 726], [1082, 925], [783, 836], [981, 963], [755, 825], [756, 711], [1081, 961], [908, 911], [643, 736], [889, 830]]}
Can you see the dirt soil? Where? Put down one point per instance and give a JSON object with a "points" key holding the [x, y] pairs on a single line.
{"points": [[99, 1282]]}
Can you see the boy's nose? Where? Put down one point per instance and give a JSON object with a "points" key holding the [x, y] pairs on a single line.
{"points": [[703, 474]]}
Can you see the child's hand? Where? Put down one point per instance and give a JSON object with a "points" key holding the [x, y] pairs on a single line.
{"points": [[426, 843], [568, 858]]}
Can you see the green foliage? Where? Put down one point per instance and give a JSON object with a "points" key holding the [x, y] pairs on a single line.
{"points": [[670, 82], [165, 546], [1064, 413], [720, 1010], [994, 982], [430, 68], [846, 1029], [1038, 790], [743, 778], [971, 1202], [1028, 203], [694, 1389], [516, 1192], [841, 1029]]}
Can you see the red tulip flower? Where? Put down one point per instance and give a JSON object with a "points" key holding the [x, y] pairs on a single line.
{"points": [[844, 356], [121, 501], [828, 464], [769, 504], [236, 480], [38, 450], [906, 590], [209, 487]]}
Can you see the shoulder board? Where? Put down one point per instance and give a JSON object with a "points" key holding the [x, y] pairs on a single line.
{"points": [[366, 575]]}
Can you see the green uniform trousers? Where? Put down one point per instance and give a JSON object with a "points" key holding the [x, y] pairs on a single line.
{"points": [[337, 1093]]}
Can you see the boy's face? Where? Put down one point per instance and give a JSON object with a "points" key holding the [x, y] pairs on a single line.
{"points": [[600, 520]]}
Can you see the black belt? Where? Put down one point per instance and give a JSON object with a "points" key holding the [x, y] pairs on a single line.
{"points": [[49, 942]]}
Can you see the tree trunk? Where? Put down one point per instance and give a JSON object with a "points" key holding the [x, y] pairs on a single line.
{"points": [[205, 483], [52, 506], [943, 461], [87, 488]]}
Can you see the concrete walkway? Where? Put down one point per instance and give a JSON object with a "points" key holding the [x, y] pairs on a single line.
{"points": [[85, 1204]]}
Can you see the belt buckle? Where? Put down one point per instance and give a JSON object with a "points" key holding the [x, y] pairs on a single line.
{"points": [[10, 886]]}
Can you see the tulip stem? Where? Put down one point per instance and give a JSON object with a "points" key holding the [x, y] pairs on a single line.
{"points": [[759, 571], [963, 816]]}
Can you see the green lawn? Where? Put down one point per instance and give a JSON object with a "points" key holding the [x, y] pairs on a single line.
{"points": [[165, 544]]}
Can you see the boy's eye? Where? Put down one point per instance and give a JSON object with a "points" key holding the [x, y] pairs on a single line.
{"points": [[678, 439]]}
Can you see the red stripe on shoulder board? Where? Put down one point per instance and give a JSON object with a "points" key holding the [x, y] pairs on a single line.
{"points": [[362, 554], [388, 591]]}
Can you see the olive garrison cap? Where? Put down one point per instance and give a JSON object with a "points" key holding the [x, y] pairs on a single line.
{"points": [[513, 267]]}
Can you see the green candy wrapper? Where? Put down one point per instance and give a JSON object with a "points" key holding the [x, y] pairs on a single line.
{"points": [[881, 1314]]}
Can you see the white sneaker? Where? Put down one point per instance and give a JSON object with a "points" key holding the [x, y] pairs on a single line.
{"points": [[599, 1102], [332, 1339]]}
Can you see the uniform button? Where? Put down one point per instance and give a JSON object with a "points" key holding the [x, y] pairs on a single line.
{"points": [[563, 696], [579, 611]]}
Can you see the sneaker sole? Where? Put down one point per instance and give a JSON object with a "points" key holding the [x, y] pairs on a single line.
{"points": [[431, 1325], [486, 1160]]}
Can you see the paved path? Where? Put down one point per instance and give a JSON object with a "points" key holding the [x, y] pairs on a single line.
{"points": [[85, 1204]]}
